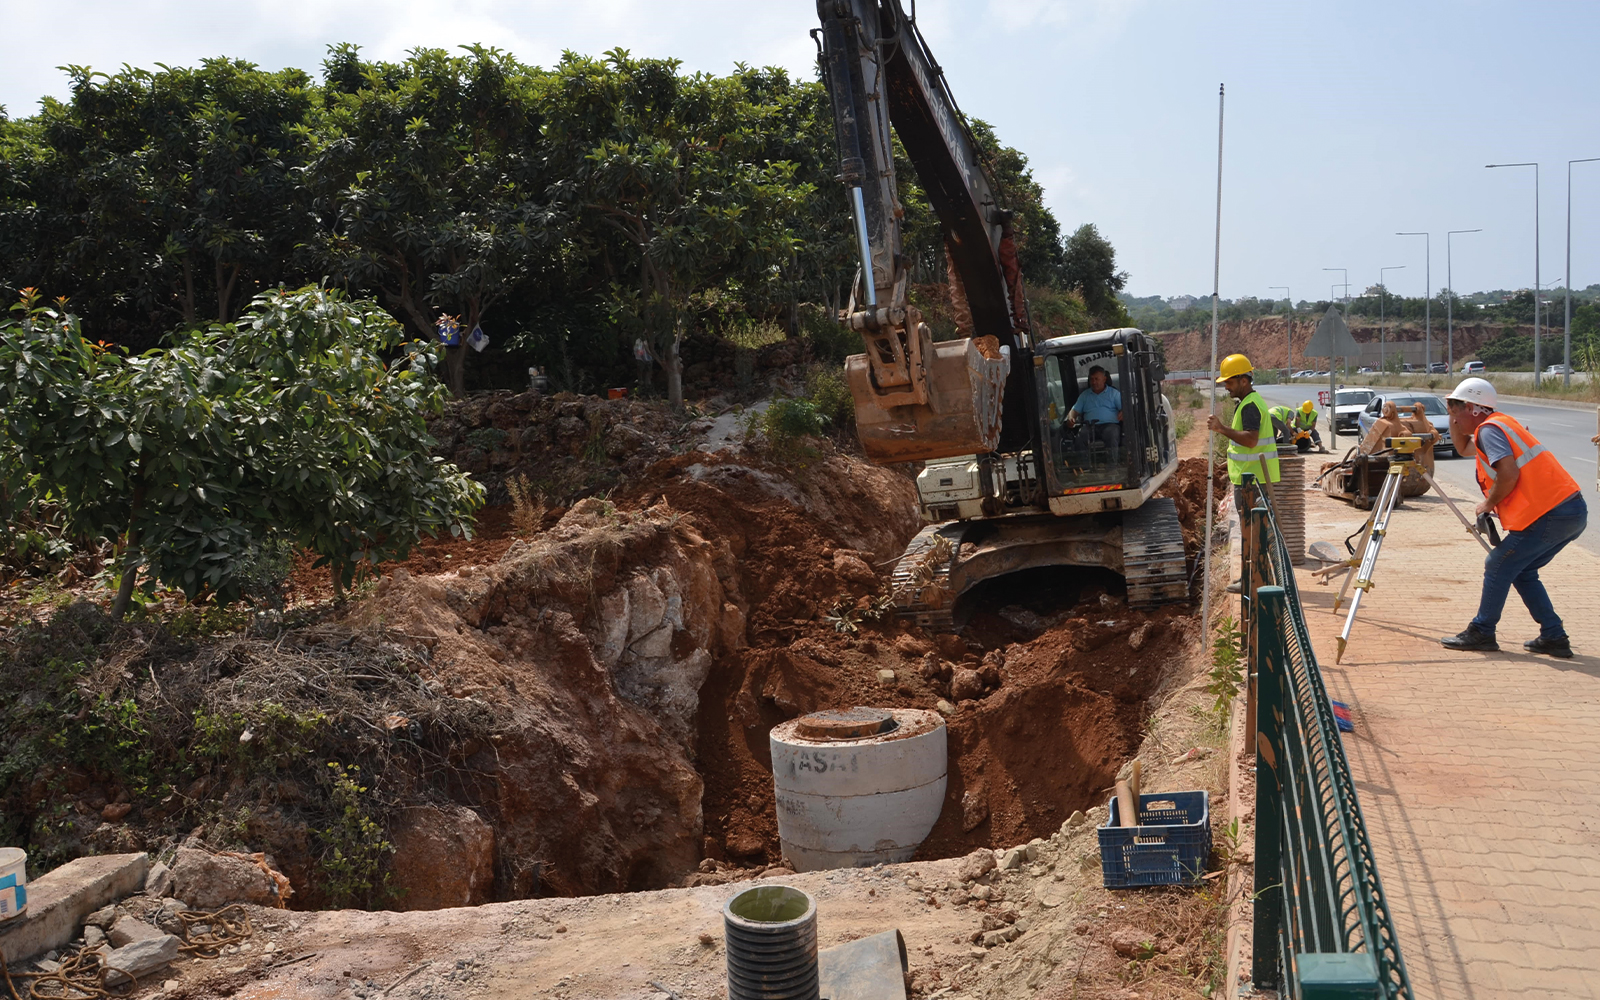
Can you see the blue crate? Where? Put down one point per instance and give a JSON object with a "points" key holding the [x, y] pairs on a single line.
{"points": [[1170, 848]]}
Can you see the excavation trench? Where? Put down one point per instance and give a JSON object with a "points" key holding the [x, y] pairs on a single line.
{"points": [[646, 645]]}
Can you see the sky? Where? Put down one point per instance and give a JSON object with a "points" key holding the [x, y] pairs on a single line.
{"points": [[1346, 122]]}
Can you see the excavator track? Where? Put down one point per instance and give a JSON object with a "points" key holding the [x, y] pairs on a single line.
{"points": [[921, 579], [1153, 560]]}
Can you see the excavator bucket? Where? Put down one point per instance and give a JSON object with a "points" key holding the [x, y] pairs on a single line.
{"points": [[965, 381]]}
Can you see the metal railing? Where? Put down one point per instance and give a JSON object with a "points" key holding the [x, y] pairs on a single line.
{"points": [[1321, 925]]}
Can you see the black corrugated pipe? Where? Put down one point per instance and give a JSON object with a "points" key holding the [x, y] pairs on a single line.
{"points": [[771, 932]]}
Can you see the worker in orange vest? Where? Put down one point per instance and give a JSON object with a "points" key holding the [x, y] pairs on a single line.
{"points": [[1538, 503]]}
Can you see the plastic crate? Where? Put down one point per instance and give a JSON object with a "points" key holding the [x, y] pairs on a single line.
{"points": [[1170, 848]]}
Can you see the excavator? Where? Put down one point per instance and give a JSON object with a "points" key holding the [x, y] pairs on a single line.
{"points": [[1014, 477]]}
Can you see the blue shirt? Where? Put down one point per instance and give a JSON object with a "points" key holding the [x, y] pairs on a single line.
{"points": [[1099, 407], [1493, 443]]}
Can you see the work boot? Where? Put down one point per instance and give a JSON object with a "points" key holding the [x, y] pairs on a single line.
{"points": [[1236, 587], [1470, 638], [1561, 648]]}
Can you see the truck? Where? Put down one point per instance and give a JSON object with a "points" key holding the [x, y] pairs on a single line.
{"points": [[1010, 480]]}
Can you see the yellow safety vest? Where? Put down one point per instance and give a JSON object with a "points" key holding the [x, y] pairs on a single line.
{"points": [[1241, 459]]}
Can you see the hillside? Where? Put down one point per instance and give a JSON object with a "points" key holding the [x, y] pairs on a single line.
{"points": [[1262, 340]]}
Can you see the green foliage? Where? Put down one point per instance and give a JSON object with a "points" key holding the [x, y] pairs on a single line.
{"points": [[1227, 671], [568, 209], [288, 426], [354, 848], [829, 394], [1089, 267], [1508, 352]]}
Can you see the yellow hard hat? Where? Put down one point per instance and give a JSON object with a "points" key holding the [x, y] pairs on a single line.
{"points": [[1236, 364], [1306, 407]]}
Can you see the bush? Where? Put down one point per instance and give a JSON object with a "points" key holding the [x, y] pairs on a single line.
{"points": [[829, 394]]}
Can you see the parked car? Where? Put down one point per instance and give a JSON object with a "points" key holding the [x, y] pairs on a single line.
{"points": [[1438, 368], [1347, 406], [1303, 373], [1472, 368], [1432, 406]]}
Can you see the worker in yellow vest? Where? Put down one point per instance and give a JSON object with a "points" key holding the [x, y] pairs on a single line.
{"points": [[1538, 503], [1251, 447]]}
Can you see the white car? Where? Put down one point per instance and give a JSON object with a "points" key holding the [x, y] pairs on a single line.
{"points": [[1347, 407], [1303, 373], [1556, 369]]}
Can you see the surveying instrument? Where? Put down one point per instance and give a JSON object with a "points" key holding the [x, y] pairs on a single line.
{"points": [[1404, 460]]}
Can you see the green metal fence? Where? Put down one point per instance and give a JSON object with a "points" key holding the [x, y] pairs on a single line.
{"points": [[1322, 927]]}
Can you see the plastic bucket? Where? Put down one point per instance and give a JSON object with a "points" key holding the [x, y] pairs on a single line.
{"points": [[13, 882]]}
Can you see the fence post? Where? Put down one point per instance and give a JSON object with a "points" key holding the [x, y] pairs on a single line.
{"points": [[1268, 663], [1256, 573]]}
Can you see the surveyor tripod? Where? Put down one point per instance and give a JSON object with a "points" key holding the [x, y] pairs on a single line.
{"points": [[1377, 528]]}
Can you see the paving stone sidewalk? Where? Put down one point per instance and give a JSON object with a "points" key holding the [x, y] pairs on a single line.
{"points": [[1478, 773]]}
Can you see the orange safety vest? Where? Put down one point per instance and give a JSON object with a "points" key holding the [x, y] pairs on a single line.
{"points": [[1541, 481]]}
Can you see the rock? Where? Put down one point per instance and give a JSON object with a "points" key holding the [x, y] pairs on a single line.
{"points": [[1136, 638], [966, 684], [159, 880], [1012, 860], [115, 811], [167, 917], [976, 865], [127, 929], [851, 568], [93, 937], [1050, 894], [1033, 848], [945, 708], [1074, 821], [992, 938], [1133, 942], [732, 628], [211, 881], [140, 958], [886, 677], [102, 918], [990, 675], [449, 857], [911, 647], [1023, 618], [982, 892], [974, 810]]}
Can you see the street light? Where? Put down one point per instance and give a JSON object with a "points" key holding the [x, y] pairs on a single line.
{"points": [[1383, 293], [1449, 302], [1566, 376], [1288, 358], [1427, 322], [1535, 166]]}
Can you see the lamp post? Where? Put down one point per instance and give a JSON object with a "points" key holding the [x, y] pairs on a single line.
{"points": [[1449, 301], [1288, 357], [1566, 376], [1427, 306], [1536, 283], [1383, 293]]}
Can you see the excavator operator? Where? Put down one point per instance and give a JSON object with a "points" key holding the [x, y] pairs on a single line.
{"points": [[1100, 408]]}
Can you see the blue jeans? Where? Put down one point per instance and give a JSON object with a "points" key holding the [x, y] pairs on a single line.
{"points": [[1516, 562]]}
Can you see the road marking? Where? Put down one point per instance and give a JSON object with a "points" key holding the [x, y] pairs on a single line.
{"points": [[1580, 458]]}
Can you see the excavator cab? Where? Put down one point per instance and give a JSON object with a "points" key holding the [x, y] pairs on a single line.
{"points": [[1106, 445]]}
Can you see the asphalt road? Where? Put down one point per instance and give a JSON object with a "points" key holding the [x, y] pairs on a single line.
{"points": [[1565, 431]]}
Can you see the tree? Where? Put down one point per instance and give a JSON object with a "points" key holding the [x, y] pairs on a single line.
{"points": [[674, 175], [287, 424], [1089, 266], [431, 178]]}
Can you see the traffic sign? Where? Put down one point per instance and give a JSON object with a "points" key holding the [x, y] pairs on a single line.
{"points": [[1332, 339]]}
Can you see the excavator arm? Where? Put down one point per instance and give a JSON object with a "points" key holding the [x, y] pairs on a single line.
{"points": [[916, 399]]}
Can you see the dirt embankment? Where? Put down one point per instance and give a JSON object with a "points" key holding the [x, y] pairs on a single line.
{"points": [[1264, 340]]}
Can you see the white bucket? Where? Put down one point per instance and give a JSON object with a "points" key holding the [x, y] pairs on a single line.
{"points": [[13, 882]]}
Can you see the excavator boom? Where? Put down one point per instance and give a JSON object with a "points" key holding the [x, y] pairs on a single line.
{"points": [[917, 400]]}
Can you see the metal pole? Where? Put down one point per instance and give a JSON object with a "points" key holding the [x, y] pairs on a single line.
{"points": [[1211, 451], [1288, 316], [1383, 293], [1449, 277], [1566, 377], [1536, 281], [1346, 273], [1427, 307]]}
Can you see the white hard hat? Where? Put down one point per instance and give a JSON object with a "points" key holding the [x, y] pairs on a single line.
{"points": [[1475, 390]]}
